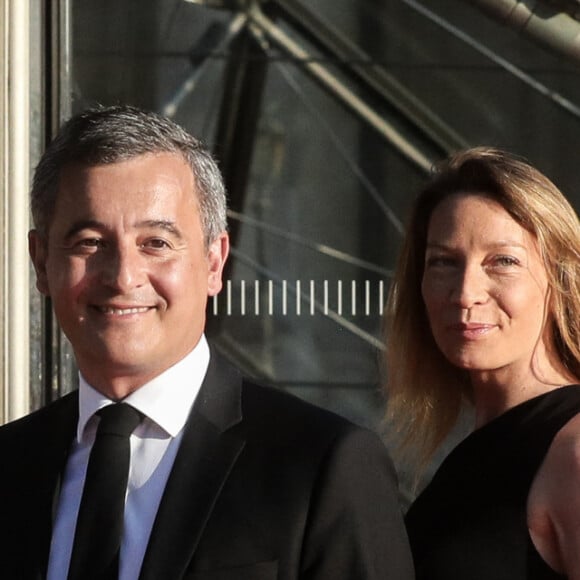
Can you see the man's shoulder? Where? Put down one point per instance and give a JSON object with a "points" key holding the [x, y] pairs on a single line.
{"points": [[273, 418], [290, 432], [278, 411], [53, 416], [272, 404], [258, 395], [37, 444]]}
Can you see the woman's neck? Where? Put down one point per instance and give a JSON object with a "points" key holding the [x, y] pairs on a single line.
{"points": [[494, 392]]}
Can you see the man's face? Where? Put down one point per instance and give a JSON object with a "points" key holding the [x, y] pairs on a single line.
{"points": [[126, 268]]}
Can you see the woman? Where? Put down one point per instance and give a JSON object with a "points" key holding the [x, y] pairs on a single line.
{"points": [[485, 309]]}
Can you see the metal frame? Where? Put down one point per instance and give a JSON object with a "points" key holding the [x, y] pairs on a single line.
{"points": [[359, 66], [14, 171], [56, 378], [425, 139], [553, 23]]}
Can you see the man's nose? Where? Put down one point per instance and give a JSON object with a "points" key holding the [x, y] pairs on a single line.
{"points": [[123, 268]]}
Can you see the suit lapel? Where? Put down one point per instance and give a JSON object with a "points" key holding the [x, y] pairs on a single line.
{"points": [[207, 453], [57, 430]]}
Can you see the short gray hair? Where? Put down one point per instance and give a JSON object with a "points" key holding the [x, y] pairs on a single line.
{"points": [[104, 135]]}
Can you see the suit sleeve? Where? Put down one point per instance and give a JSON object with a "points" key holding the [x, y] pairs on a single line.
{"points": [[355, 527]]}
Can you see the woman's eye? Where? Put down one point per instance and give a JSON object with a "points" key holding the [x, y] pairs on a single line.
{"points": [[506, 261], [439, 261]]}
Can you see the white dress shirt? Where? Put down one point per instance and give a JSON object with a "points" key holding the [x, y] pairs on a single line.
{"points": [[166, 402]]}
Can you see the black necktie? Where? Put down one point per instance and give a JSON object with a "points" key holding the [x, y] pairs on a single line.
{"points": [[100, 521]]}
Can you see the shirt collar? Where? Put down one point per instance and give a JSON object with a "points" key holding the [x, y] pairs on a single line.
{"points": [[166, 400]]}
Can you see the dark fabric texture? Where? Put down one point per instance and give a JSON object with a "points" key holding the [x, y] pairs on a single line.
{"points": [[470, 522], [264, 485], [99, 525]]}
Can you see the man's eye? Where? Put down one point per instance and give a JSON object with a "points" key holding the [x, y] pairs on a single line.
{"points": [[156, 244], [91, 243]]}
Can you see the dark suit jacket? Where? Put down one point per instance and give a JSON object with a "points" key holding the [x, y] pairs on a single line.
{"points": [[264, 486]]}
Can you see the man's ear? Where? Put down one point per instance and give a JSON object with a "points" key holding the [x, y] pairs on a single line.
{"points": [[216, 257], [38, 250]]}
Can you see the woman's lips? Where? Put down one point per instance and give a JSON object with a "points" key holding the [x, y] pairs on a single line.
{"points": [[472, 330]]}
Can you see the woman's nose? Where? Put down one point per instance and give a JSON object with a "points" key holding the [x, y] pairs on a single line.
{"points": [[470, 287]]}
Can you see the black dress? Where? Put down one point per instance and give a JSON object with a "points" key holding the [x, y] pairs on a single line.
{"points": [[470, 521]]}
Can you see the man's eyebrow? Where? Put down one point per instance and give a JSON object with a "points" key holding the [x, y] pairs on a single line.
{"points": [[80, 225], [166, 225]]}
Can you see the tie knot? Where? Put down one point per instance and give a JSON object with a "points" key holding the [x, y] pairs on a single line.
{"points": [[118, 419]]}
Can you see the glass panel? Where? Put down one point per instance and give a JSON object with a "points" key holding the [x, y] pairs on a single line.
{"points": [[317, 224], [491, 83], [321, 213]]}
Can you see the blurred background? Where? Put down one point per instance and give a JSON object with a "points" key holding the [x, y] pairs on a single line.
{"points": [[325, 117]]}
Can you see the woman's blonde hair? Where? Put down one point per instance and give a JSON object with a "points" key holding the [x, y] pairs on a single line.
{"points": [[425, 391]]}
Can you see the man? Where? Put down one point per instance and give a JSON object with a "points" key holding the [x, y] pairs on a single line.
{"points": [[227, 479]]}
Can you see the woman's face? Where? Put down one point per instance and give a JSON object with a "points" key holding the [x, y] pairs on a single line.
{"points": [[485, 286]]}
